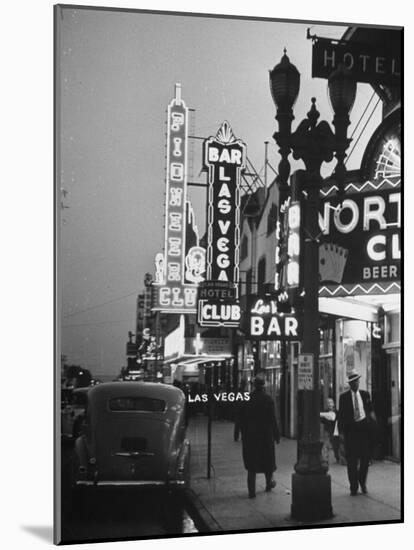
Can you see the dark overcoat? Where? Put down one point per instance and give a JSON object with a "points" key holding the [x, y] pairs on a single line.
{"points": [[346, 422], [259, 432]]}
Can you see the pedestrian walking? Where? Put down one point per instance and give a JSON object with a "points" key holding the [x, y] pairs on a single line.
{"points": [[354, 422], [259, 431], [330, 437]]}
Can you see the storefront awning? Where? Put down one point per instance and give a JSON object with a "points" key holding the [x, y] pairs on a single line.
{"points": [[349, 307], [207, 360], [197, 359]]}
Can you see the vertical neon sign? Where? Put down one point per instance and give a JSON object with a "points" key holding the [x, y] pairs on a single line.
{"points": [[173, 293], [224, 157], [176, 190]]}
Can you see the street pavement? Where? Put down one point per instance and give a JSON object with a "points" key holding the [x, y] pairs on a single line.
{"points": [[222, 500]]}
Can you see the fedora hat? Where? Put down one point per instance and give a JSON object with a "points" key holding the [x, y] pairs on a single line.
{"points": [[353, 375]]}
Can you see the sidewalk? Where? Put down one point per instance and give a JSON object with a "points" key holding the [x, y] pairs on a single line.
{"points": [[223, 503]]}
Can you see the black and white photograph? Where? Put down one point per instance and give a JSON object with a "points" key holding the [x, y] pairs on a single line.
{"points": [[228, 252]]}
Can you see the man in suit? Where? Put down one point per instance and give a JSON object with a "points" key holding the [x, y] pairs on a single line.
{"points": [[354, 415]]}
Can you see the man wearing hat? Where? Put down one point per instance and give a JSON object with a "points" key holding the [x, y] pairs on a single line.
{"points": [[355, 410], [259, 432]]}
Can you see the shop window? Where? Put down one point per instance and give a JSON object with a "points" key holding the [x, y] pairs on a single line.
{"points": [[353, 351], [392, 331]]}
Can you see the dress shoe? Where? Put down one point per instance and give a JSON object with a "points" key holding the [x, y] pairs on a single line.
{"points": [[354, 493], [270, 486], [364, 488], [252, 495]]}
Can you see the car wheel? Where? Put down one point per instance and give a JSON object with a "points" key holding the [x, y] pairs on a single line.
{"points": [[172, 510], [78, 507]]}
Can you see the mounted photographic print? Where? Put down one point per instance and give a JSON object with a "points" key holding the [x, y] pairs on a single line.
{"points": [[228, 260]]}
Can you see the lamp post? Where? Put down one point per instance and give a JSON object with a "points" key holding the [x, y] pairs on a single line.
{"points": [[313, 143]]}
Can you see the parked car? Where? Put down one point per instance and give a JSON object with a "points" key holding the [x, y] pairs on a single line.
{"points": [[73, 408], [133, 435]]}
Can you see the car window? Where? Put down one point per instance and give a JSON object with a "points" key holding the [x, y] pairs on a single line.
{"points": [[132, 404]]}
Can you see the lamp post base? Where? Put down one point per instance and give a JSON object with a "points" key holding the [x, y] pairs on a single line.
{"points": [[311, 497]]}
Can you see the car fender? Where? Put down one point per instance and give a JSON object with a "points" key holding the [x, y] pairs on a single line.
{"points": [[79, 460]]}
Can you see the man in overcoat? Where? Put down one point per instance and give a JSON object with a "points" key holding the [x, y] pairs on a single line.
{"points": [[259, 431], [354, 423]]}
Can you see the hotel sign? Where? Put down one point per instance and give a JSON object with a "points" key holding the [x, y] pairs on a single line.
{"points": [[265, 322], [218, 305], [217, 290], [224, 158], [218, 314], [367, 63]]}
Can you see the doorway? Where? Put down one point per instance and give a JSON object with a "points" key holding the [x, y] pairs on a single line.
{"points": [[395, 403]]}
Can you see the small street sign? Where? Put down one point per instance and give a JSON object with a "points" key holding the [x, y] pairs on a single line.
{"points": [[305, 371]]}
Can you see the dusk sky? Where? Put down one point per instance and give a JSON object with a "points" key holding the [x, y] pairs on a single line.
{"points": [[117, 76]]}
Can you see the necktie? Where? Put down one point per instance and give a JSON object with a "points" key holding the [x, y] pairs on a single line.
{"points": [[357, 413]]}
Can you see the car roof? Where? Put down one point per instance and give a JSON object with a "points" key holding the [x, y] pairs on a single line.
{"points": [[82, 390], [168, 393]]}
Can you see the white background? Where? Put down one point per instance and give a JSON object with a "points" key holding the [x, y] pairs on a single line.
{"points": [[26, 468]]}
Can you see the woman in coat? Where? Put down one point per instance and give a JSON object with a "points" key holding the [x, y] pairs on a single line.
{"points": [[259, 432]]}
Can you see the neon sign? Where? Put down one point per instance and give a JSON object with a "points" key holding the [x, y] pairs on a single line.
{"points": [[224, 158], [293, 245], [177, 273], [217, 304], [176, 189], [287, 267], [218, 314], [362, 240], [265, 321]]}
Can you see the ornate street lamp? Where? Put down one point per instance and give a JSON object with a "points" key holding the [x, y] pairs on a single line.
{"points": [[284, 86], [342, 92], [313, 143]]}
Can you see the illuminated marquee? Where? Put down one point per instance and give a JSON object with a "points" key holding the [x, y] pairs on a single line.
{"points": [[177, 274], [224, 158], [218, 305], [293, 245], [264, 321], [176, 190], [216, 314], [282, 276], [360, 243]]}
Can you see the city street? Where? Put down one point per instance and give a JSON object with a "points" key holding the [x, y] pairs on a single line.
{"points": [[225, 506], [119, 513], [196, 280]]}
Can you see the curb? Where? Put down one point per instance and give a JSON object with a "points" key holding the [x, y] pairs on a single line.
{"points": [[203, 520]]}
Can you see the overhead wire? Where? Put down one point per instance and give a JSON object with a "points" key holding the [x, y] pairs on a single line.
{"points": [[363, 114], [97, 324], [362, 131], [99, 305]]}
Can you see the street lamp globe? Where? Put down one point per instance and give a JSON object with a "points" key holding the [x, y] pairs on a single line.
{"points": [[342, 90], [284, 84]]}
